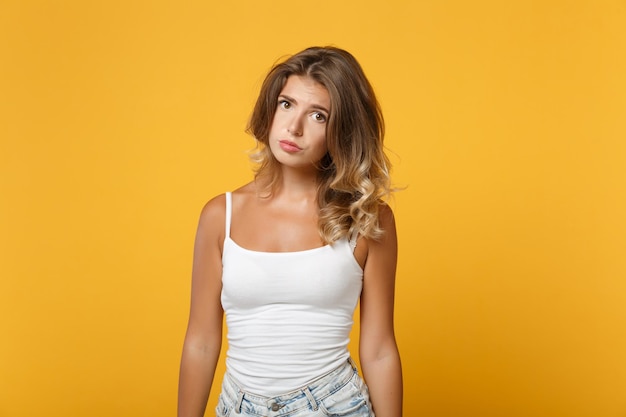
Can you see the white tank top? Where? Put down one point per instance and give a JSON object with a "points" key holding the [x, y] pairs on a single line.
{"points": [[289, 314]]}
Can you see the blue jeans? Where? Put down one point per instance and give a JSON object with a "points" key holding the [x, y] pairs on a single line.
{"points": [[341, 392]]}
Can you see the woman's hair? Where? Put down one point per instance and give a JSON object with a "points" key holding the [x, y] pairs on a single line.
{"points": [[354, 174]]}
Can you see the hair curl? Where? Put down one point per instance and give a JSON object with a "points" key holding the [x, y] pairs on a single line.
{"points": [[354, 175]]}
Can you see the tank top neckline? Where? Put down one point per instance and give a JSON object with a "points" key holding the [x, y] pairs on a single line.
{"points": [[229, 205], [293, 252]]}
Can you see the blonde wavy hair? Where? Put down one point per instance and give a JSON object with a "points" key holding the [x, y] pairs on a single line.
{"points": [[354, 176]]}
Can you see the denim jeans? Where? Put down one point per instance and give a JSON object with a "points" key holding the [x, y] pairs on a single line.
{"points": [[341, 392]]}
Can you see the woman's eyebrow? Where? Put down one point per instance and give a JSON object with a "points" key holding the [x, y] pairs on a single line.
{"points": [[313, 106]]}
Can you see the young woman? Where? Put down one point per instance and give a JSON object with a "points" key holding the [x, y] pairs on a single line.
{"points": [[287, 256]]}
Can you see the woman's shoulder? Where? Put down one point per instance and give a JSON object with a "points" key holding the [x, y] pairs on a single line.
{"points": [[216, 206], [212, 216], [385, 214], [246, 189], [244, 195]]}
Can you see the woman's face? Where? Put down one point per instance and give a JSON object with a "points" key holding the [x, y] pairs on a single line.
{"points": [[297, 137]]}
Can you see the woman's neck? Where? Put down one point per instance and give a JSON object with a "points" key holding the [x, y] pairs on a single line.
{"points": [[298, 185]]}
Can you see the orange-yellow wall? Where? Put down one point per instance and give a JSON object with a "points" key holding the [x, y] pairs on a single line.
{"points": [[507, 122]]}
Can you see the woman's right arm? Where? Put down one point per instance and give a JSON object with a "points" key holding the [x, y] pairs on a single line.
{"points": [[203, 339]]}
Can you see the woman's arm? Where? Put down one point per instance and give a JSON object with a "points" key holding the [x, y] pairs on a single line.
{"points": [[203, 340], [378, 352]]}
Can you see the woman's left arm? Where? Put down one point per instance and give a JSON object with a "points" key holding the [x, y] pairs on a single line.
{"points": [[378, 351]]}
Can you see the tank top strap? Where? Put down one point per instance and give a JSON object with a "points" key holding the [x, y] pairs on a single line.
{"points": [[354, 235], [229, 209]]}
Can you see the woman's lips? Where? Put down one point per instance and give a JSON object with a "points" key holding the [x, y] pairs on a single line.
{"points": [[288, 146]]}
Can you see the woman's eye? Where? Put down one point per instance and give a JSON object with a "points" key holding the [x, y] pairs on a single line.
{"points": [[319, 117], [284, 104]]}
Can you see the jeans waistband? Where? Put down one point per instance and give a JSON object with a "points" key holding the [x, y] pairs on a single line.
{"points": [[311, 393]]}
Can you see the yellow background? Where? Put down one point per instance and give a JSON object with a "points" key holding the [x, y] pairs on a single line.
{"points": [[506, 122]]}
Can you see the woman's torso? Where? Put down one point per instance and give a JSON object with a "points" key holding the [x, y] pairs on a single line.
{"points": [[289, 314]]}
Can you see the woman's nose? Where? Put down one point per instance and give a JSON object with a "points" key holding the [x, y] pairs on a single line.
{"points": [[295, 125]]}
